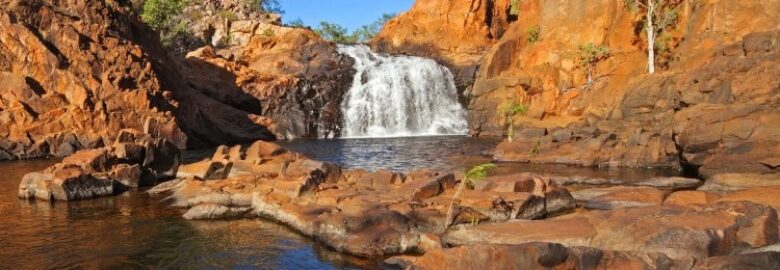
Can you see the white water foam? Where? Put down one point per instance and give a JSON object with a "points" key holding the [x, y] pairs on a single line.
{"points": [[399, 96]]}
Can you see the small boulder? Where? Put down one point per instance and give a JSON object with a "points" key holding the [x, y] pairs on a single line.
{"points": [[128, 175], [36, 185]]}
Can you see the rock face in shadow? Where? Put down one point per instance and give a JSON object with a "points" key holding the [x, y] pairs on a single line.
{"points": [[292, 78]]}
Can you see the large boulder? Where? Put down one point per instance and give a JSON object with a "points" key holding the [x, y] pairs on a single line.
{"points": [[36, 185], [74, 183]]}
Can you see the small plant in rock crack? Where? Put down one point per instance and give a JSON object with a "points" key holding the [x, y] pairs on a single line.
{"points": [[510, 110], [589, 55], [536, 149], [472, 176]]}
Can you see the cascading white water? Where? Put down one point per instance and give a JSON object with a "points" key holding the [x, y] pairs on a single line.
{"points": [[396, 96]]}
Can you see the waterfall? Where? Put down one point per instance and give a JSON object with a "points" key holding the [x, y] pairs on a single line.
{"points": [[396, 96]]}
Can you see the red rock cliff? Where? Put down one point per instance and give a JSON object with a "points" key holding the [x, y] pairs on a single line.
{"points": [[712, 105], [74, 73]]}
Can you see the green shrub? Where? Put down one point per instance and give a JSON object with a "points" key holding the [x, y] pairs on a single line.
{"points": [[297, 23], [514, 8], [588, 55], [161, 14], [227, 14], [472, 176], [510, 110], [268, 32], [334, 32], [533, 35]]}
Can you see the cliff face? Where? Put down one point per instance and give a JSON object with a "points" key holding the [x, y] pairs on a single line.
{"points": [[711, 106], [455, 33], [546, 74], [75, 73], [293, 78]]}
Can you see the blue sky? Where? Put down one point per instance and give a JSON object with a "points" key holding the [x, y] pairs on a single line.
{"points": [[348, 13]]}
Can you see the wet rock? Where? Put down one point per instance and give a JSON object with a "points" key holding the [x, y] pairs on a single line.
{"points": [[74, 183], [36, 185]]}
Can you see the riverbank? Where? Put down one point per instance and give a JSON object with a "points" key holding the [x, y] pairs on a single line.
{"points": [[658, 222]]}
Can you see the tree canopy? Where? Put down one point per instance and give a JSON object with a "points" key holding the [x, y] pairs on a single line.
{"points": [[340, 34]]}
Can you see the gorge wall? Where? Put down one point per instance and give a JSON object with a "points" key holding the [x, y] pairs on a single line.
{"points": [[712, 105], [74, 73]]}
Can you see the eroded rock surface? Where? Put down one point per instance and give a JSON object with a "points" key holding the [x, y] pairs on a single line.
{"points": [[105, 171], [354, 211], [291, 78]]}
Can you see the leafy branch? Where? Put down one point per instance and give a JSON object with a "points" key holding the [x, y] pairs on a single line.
{"points": [[472, 176]]}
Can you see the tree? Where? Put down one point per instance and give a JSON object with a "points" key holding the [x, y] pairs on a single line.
{"points": [[510, 110], [271, 6], [659, 14], [334, 32], [369, 31], [161, 14], [588, 55], [470, 180], [297, 23], [164, 17]]}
